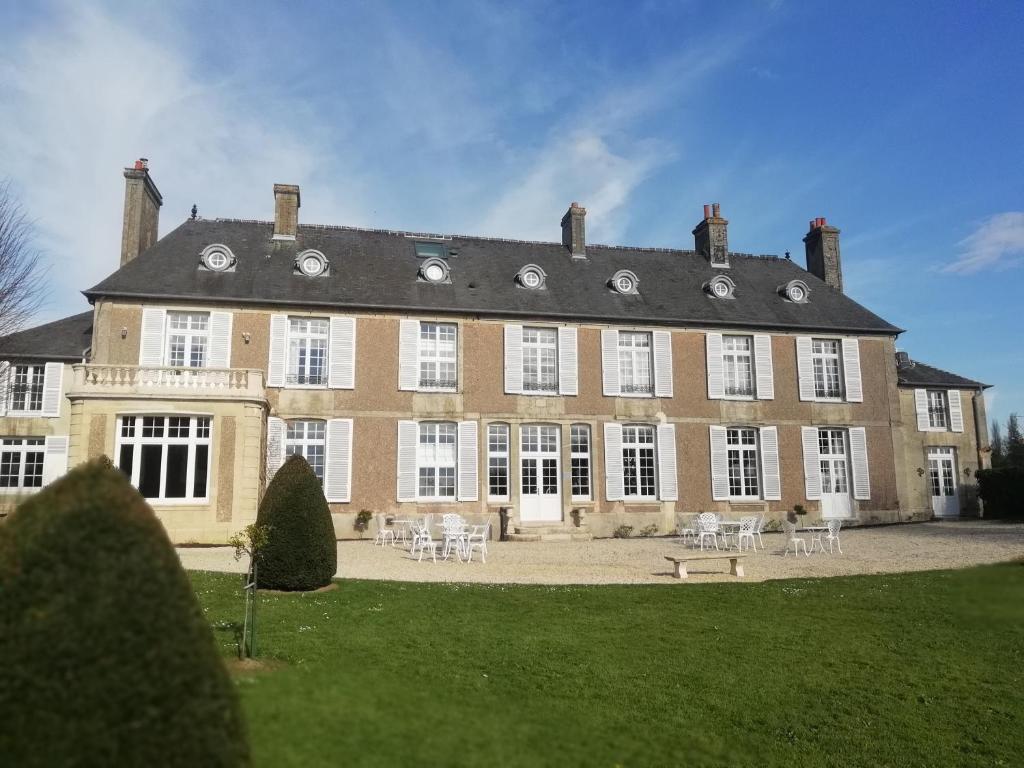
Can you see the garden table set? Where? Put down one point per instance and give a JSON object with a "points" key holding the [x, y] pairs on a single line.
{"points": [[457, 537]]}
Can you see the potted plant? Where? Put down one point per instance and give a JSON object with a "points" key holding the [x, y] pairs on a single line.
{"points": [[362, 522], [577, 516]]}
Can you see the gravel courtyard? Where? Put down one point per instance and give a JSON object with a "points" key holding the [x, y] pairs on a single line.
{"points": [[912, 547]]}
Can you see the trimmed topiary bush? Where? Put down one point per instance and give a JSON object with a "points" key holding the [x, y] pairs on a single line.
{"points": [[107, 658], [302, 552]]}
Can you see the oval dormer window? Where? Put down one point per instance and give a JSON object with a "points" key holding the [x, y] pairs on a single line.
{"points": [[434, 271], [311, 263], [217, 258], [796, 291], [624, 282], [531, 276], [721, 287]]}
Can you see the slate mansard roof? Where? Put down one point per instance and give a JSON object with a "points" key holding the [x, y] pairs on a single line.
{"points": [[66, 339], [920, 375], [376, 270]]}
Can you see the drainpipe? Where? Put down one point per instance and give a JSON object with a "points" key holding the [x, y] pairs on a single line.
{"points": [[977, 442]]}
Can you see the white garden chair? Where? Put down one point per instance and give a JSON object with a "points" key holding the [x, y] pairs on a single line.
{"points": [[423, 542], [455, 536], [707, 526], [746, 532], [686, 530], [759, 528], [832, 537], [477, 540], [789, 531], [384, 534]]}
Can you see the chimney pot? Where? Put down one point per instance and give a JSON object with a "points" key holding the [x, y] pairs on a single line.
{"points": [[707, 211], [286, 211], [574, 231], [716, 210]]}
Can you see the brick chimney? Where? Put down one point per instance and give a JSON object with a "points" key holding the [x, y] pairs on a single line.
{"points": [[142, 201], [286, 211], [574, 231], [711, 236], [822, 245]]}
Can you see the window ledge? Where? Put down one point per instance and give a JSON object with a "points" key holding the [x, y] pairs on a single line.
{"points": [[178, 502]]}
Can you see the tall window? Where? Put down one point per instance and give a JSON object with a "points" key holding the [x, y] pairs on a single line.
{"points": [[307, 350], [828, 380], [27, 387], [832, 454], [741, 444], [307, 438], [21, 462], [580, 459], [738, 365], [166, 457], [635, 362], [638, 461], [938, 409], [438, 360], [540, 360], [497, 461], [436, 460], [187, 337]]}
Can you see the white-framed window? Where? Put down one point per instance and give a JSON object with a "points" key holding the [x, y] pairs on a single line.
{"points": [[21, 462], [307, 351], [166, 457], [826, 357], [741, 452], [438, 356], [833, 461], [27, 387], [638, 462], [188, 336], [437, 460], [579, 458], [497, 461], [307, 438], [938, 409], [738, 366], [540, 360], [635, 377]]}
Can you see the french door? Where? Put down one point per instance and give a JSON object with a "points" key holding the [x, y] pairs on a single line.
{"points": [[942, 482], [835, 474], [540, 476]]}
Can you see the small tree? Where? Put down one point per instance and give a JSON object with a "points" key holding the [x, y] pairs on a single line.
{"points": [[302, 553], [998, 450], [249, 542], [22, 278], [1014, 443]]}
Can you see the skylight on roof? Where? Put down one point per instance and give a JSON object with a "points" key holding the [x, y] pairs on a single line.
{"points": [[431, 250]]}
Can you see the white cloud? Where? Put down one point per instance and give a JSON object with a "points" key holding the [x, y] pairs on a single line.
{"points": [[998, 243]]}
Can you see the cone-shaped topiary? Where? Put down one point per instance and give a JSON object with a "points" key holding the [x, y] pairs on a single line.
{"points": [[301, 553], [107, 658]]}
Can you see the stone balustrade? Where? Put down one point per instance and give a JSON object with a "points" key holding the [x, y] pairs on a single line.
{"points": [[92, 380]]}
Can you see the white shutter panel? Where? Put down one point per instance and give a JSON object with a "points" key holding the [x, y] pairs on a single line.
{"points": [[859, 459], [719, 464], [716, 371], [151, 342], [956, 412], [55, 460], [613, 461], [409, 357], [338, 464], [770, 463], [763, 368], [52, 381], [408, 439], [668, 484], [804, 367], [220, 340], [275, 446], [662, 363], [851, 367], [342, 371], [469, 482], [513, 359], [278, 350], [921, 406], [812, 463], [610, 364], [5, 394], [568, 374]]}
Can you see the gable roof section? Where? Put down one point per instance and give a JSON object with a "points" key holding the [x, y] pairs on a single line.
{"points": [[378, 270], [64, 339], [920, 375]]}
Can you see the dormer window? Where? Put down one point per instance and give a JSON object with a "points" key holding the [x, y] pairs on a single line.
{"points": [[435, 271], [431, 250], [531, 276], [624, 282], [217, 258], [721, 287], [795, 291], [311, 263]]}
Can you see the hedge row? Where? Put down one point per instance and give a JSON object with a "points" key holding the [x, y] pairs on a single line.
{"points": [[1002, 490]]}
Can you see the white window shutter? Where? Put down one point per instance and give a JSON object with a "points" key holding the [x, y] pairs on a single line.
{"points": [[763, 368], [956, 411], [342, 370], [662, 363], [610, 364], [812, 463], [716, 371], [568, 366], [859, 460], [668, 483], [5, 394], [719, 464], [278, 350], [613, 483], [469, 462], [804, 367], [338, 464], [770, 463], [275, 446], [921, 406], [151, 341], [220, 340], [513, 359], [851, 368], [52, 383], [408, 441], [409, 357], [55, 459]]}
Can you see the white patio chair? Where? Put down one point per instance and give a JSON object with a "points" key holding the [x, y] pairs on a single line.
{"points": [[455, 537], [832, 537], [384, 534], [686, 530], [707, 526], [789, 531], [759, 528], [746, 532], [425, 543], [477, 539]]}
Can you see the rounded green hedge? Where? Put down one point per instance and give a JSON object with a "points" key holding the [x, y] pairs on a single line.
{"points": [[105, 655], [301, 552]]}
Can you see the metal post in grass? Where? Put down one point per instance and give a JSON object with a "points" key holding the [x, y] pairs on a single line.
{"points": [[249, 541]]}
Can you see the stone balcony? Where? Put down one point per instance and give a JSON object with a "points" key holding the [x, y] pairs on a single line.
{"points": [[135, 382]]}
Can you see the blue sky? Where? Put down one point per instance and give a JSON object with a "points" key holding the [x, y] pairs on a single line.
{"points": [[900, 122]]}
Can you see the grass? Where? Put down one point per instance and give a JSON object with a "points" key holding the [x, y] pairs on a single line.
{"points": [[912, 669]]}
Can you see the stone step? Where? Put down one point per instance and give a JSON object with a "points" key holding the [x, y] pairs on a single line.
{"points": [[549, 533]]}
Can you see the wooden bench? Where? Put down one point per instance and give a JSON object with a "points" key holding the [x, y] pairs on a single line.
{"points": [[735, 568]]}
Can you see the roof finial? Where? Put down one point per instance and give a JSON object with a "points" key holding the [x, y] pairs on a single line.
{"points": [[195, 211]]}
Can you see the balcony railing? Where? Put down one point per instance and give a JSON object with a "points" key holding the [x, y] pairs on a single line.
{"points": [[130, 380]]}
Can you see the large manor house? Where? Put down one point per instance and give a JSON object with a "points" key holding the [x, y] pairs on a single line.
{"points": [[574, 387]]}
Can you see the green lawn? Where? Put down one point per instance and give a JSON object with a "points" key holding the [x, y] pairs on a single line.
{"points": [[914, 669]]}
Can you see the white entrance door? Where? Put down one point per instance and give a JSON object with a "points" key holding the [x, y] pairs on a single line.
{"points": [[540, 494], [942, 482], [835, 474]]}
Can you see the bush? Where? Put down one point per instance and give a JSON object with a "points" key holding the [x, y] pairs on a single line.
{"points": [[302, 553], [107, 658], [649, 530], [1002, 490], [623, 532]]}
